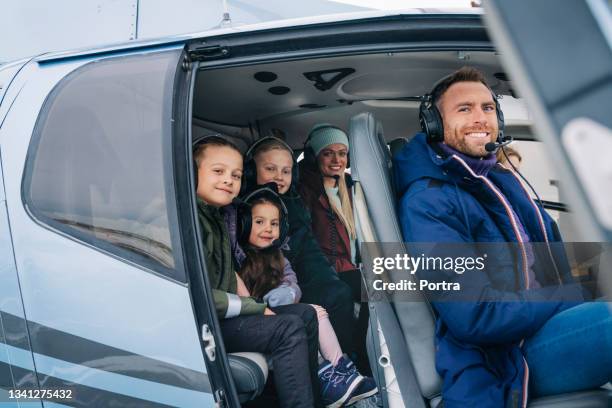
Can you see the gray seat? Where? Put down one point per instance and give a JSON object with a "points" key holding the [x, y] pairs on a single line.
{"points": [[414, 360], [250, 372]]}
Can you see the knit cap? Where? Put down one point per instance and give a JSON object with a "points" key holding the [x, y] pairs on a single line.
{"points": [[323, 135]]}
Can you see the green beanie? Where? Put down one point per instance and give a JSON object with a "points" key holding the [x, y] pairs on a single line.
{"points": [[323, 135]]}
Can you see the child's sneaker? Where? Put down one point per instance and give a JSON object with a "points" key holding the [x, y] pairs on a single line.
{"points": [[345, 364], [337, 384], [367, 387]]}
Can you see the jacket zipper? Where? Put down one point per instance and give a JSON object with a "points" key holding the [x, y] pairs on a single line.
{"points": [[540, 221], [510, 215], [523, 254]]}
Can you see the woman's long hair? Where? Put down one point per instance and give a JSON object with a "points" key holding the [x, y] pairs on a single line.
{"points": [[262, 269], [345, 213]]}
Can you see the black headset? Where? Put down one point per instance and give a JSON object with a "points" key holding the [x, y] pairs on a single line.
{"points": [[431, 120], [309, 156], [250, 169], [245, 219]]}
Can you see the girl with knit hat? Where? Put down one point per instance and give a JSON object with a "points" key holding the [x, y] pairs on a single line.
{"points": [[325, 188]]}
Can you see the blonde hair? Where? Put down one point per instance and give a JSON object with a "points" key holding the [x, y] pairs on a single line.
{"points": [[501, 157], [271, 144], [345, 213]]}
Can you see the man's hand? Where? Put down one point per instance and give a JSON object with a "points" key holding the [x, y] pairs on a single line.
{"points": [[283, 295], [241, 289], [268, 312]]}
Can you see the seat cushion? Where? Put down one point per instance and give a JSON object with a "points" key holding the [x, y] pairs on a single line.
{"points": [[250, 372], [586, 399]]}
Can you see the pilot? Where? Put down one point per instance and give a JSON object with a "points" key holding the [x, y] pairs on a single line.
{"points": [[497, 347]]}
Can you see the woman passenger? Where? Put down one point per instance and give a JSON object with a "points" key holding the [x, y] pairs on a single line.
{"points": [[326, 190]]}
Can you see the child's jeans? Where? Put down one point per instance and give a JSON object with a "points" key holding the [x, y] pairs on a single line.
{"points": [[290, 339]]}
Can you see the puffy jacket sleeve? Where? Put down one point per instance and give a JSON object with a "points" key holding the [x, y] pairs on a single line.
{"points": [[489, 316], [230, 305], [290, 280]]}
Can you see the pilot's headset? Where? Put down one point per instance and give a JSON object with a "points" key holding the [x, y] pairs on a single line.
{"points": [[310, 158], [215, 139], [250, 170], [431, 120], [245, 220]]}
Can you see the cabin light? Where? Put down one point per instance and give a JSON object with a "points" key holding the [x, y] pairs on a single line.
{"points": [[265, 76], [279, 90]]}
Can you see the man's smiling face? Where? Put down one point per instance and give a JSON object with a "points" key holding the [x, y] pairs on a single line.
{"points": [[469, 117]]}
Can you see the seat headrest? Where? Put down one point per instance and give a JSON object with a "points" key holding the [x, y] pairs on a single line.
{"points": [[396, 145]]}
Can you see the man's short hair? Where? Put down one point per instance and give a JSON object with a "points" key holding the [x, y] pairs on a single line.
{"points": [[214, 140], [464, 74]]}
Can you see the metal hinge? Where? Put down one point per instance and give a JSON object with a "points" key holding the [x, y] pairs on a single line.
{"points": [[209, 343], [186, 64]]}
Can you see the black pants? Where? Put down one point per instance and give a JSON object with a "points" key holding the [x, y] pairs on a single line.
{"points": [[311, 323], [335, 296], [360, 329], [290, 339]]}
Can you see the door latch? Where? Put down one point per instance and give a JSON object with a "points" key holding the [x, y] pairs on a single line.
{"points": [[209, 343], [208, 53]]}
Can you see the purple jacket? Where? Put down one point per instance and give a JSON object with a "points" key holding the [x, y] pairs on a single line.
{"points": [[230, 216]]}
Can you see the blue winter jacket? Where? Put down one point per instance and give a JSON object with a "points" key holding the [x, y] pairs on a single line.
{"points": [[478, 342]]}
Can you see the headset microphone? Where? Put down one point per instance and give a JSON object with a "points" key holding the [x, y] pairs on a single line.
{"points": [[493, 146]]}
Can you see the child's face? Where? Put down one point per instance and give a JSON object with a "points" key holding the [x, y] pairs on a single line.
{"points": [[219, 175], [266, 225], [274, 166]]}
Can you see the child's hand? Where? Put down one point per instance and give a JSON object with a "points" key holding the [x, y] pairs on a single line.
{"points": [[241, 289], [268, 312], [283, 295]]}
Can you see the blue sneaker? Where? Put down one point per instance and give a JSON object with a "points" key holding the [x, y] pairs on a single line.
{"points": [[345, 364], [337, 384], [365, 389]]}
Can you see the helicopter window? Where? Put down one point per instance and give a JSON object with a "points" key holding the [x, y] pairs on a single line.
{"points": [[99, 162]]}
